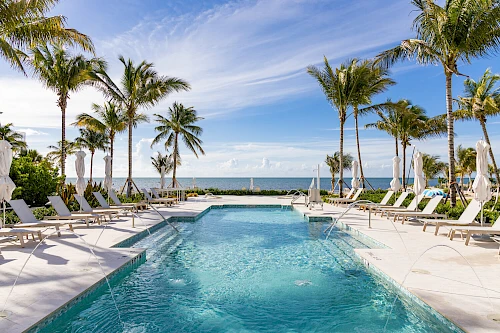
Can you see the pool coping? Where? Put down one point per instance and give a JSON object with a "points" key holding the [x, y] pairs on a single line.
{"points": [[140, 258]]}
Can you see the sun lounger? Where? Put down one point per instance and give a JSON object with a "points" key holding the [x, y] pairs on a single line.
{"points": [[392, 210], [86, 208], [466, 219], [152, 200], [21, 233], [427, 212], [157, 196], [28, 220], [104, 203], [338, 201], [476, 230], [64, 213], [382, 203], [399, 201], [137, 205]]}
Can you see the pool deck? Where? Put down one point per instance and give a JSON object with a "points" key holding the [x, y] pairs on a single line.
{"points": [[461, 282]]}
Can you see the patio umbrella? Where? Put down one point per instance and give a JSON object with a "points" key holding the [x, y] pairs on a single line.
{"points": [[395, 184], [80, 173], [108, 181], [7, 186], [194, 183], [354, 180], [418, 181], [162, 177], [482, 185], [251, 184]]}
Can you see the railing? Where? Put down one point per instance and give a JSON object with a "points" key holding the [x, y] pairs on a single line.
{"points": [[297, 195], [348, 208], [163, 217]]}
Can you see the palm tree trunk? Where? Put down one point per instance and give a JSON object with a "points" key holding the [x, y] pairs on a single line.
{"points": [[451, 137], [62, 104], [492, 156], [333, 183], [397, 150], [341, 160], [91, 164], [111, 148], [404, 166], [174, 171], [129, 179], [359, 149]]}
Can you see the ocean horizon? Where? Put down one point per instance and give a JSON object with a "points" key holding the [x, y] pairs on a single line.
{"points": [[237, 183]]}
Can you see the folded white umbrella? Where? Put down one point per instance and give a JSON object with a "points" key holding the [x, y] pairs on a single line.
{"points": [[80, 173], [312, 184], [418, 181], [162, 177], [482, 184], [354, 180], [7, 186], [251, 184], [395, 183], [108, 181]]}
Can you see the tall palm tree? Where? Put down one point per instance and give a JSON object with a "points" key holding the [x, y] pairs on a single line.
{"points": [[16, 139], [339, 88], [163, 161], [92, 140], [24, 24], [109, 120], [481, 100], [141, 87], [179, 123], [466, 163], [456, 32], [432, 167], [389, 122], [55, 156], [333, 163], [64, 74], [371, 80]]}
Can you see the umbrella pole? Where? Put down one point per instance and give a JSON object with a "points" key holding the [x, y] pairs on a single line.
{"points": [[482, 222], [3, 220]]}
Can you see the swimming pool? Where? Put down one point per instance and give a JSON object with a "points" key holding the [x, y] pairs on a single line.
{"points": [[248, 270]]}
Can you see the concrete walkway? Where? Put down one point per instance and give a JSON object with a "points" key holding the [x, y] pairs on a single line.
{"points": [[449, 277]]}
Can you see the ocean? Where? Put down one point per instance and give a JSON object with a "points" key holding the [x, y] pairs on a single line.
{"points": [[239, 183]]}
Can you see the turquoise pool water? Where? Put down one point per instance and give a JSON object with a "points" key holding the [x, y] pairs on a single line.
{"points": [[248, 270]]}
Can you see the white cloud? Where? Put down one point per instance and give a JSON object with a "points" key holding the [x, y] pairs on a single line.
{"points": [[230, 164], [31, 132], [265, 163]]}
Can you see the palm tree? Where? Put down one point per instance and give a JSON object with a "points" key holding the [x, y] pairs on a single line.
{"points": [[55, 156], [371, 80], [390, 120], [180, 122], [432, 167], [466, 163], [141, 87], [110, 120], [64, 74], [92, 140], [338, 86], [334, 163], [163, 161], [33, 155], [24, 24], [481, 100], [16, 139], [457, 32]]}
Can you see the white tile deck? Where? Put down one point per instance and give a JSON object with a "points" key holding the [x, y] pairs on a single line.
{"points": [[442, 277]]}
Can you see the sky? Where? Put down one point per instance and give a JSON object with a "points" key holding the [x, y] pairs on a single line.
{"points": [[264, 116]]}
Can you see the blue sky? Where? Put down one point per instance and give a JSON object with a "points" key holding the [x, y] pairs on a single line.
{"points": [[246, 60]]}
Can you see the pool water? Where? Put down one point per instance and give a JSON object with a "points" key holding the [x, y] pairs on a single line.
{"points": [[248, 270]]}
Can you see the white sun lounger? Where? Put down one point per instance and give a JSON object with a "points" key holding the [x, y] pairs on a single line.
{"points": [[466, 219], [85, 206], [428, 211], [64, 213], [104, 204], [397, 203], [136, 205], [338, 201], [382, 203], [21, 233], [152, 200], [393, 210], [476, 230], [157, 196]]}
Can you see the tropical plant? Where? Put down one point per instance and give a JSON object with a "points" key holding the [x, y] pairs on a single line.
{"points": [[33, 155], [466, 163], [179, 123], [458, 31], [55, 156], [92, 140], [432, 167], [16, 139], [481, 100], [370, 81], [334, 163], [141, 87], [390, 119], [64, 74], [338, 86], [110, 120], [24, 24], [161, 160]]}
